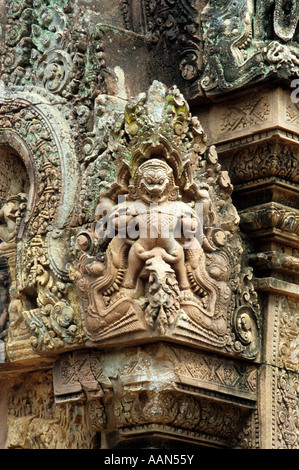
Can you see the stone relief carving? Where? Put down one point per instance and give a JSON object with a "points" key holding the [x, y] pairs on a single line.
{"points": [[241, 45], [284, 19], [178, 399], [227, 26], [151, 263], [272, 158], [178, 24], [4, 300], [79, 375], [253, 112], [84, 396], [173, 27], [217, 46], [173, 411], [30, 219], [14, 194], [286, 338], [287, 410], [150, 165], [36, 421]]}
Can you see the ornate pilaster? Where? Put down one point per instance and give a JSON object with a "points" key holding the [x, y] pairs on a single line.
{"points": [[257, 139]]}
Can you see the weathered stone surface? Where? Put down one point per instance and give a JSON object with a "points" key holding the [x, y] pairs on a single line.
{"points": [[173, 261], [149, 224]]}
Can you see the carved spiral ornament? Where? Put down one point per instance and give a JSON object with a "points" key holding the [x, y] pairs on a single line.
{"points": [[54, 71]]}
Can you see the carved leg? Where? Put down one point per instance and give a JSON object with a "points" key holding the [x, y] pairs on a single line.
{"points": [[181, 274], [135, 265]]}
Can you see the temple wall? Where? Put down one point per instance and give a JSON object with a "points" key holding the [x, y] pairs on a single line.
{"points": [[149, 224]]}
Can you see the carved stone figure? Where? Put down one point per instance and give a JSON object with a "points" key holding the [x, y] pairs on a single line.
{"points": [[130, 267], [18, 329], [10, 214], [155, 229], [153, 209]]}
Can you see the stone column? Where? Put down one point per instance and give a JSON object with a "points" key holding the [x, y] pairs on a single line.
{"points": [[257, 139]]}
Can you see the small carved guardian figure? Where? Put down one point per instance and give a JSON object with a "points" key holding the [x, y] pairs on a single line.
{"points": [[9, 218], [158, 227]]}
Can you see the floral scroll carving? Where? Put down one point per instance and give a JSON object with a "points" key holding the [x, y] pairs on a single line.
{"points": [[269, 159], [287, 410], [163, 256], [247, 41], [32, 212]]}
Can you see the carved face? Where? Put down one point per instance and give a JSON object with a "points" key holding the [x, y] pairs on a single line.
{"points": [[154, 180]]}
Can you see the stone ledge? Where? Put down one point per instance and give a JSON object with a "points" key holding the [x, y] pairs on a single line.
{"points": [[273, 285]]}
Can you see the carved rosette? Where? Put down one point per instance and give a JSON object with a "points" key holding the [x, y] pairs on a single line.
{"points": [[191, 285]]}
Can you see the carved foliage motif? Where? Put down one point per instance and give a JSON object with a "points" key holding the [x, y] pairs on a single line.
{"points": [[287, 410], [218, 45], [178, 24], [34, 28], [180, 284], [193, 369], [28, 123], [174, 25], [39, 291], [53, 323], [180, 399], [247, 41], [43, 47], [178, 411], [272, 158]]}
